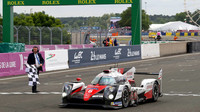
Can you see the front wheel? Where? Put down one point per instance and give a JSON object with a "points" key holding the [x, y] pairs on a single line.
{"points": [[125, 97]]}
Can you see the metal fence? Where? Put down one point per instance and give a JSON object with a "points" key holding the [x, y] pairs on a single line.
{"points": [[40, 35], [32, 35]]}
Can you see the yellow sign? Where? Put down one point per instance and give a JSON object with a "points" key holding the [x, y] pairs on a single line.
{"points": [[15, 2], [51, 2], [86, 1], [123, 1]]}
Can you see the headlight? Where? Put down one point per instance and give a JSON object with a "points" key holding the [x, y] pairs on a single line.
{"points": [[64, 94], [66, 90], [111, 96], [111, 89]]}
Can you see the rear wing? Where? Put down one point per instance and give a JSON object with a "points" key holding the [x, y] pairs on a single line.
{"points": [[127, 72], [148, 73], [130, 74], [160, 77]]}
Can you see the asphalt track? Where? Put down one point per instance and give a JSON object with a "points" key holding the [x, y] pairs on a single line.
{"points": [[181, 75]]}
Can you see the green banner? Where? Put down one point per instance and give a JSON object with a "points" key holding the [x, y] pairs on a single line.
{"points": [[64, 2]]}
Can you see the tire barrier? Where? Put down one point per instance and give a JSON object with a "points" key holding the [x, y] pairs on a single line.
{"points": [[193, 47]]}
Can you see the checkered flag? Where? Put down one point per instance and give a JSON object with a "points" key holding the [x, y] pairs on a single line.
{"points": [[31, 70]]}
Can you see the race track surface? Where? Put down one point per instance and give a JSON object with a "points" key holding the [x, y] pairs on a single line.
{"points": [[181, 80]]}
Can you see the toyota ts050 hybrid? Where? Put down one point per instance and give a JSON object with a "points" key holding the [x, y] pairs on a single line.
{"points": [[113, 88]]}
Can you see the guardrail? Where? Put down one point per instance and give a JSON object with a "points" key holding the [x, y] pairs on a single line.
{"points": [[13, 63]]}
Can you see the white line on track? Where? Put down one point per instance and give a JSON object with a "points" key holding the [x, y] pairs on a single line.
{"points": [[187, 70], [30, 93], [73, 76], [185, 65], [167, 94], [52, 84], [124, 63], [145, 65], [179, 80], [59, 93]]}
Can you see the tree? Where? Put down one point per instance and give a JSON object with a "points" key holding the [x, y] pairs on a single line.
{"points": [[126, 19], [36, 19], [1, 20], [145, 20], [103, 22], [181, 16], [161, 19]]}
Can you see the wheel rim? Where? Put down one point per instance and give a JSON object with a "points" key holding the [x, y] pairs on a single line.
{"points": [[156, 92], [125, 96]]}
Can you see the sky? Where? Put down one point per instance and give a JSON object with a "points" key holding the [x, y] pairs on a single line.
{"points": [[165, 7]]}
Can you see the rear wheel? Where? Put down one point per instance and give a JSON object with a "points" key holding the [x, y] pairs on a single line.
{"points": [[155, 92], [125, 97]]}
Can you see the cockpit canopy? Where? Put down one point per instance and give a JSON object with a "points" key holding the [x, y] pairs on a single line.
{"points": [[108, 80]]}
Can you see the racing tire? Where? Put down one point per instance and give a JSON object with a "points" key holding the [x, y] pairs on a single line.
{"points": [[155, 92], [125, 97]]}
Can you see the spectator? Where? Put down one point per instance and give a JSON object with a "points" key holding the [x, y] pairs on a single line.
{"points": [[115, 42], [111, 41], [104, 42], [158, 36], [87, 38]]}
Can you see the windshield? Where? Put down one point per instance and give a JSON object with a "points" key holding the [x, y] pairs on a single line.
{"points": [[104, 80]]}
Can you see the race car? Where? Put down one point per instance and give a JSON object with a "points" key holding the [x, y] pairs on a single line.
{"points": [[113, 88]]}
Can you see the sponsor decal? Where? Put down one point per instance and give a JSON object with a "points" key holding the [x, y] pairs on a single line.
{"points": [[123, 1], [97, 96], [86, 1], [93, 88], [51, 56], [11, 64], [119, 90], [149, 86], [15, 2], [51, 2], [119, 103], [118, 52], [90, 91], [95, 56], [131, 53], [78, 56], [21, 61]]}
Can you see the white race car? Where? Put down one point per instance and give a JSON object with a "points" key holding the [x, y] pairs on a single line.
{"points": [[113, 88]]}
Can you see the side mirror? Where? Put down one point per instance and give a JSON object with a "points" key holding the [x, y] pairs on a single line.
{"points": [[78, 79]]}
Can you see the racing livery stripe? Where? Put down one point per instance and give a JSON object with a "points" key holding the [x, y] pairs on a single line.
{"points": [[77, 90], [148, 94]]}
